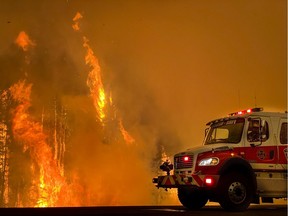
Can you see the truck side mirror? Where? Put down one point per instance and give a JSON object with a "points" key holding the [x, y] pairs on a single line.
{"points": [[264, 131], [263, 122], [206, 131]]}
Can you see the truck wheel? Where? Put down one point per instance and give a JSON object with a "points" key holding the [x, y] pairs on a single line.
{"points": [[235, 194], [192, 199]]}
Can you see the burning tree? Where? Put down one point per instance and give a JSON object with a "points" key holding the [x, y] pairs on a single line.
{"points": [[28, 134], [4, 148], [54, 124], [31, 150]]}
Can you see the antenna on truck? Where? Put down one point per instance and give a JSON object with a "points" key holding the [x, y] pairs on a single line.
{"points": [[255, 99]]}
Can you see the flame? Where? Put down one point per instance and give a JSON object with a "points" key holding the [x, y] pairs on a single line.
{"points": [[24, 41], [94, 81], [29, 133], [42, 202]]}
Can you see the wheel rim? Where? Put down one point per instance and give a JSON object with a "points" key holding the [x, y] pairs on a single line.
{"points": [[237, 192]]}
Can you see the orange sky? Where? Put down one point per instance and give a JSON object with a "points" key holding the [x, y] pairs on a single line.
{"points": [[170, 64]]}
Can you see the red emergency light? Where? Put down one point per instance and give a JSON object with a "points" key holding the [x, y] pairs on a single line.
{"points": [[186, 158], [242, 112]]}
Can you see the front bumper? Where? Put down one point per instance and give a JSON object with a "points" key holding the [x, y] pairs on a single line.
{"points": [[176, 181]]}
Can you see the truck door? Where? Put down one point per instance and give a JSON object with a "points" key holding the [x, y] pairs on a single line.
{"points": [[260, 147], [281, 166], [264, 154], [282, 145]]}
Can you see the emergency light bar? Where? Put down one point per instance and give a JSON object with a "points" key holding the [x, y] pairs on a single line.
{"points": [[242, 112]]}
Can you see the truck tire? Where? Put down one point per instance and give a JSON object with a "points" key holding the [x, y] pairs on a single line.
{"points": [[235, 194], [192, 199]]}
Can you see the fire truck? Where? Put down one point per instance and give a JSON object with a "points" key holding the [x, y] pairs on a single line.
{"points": [[243, 160]]}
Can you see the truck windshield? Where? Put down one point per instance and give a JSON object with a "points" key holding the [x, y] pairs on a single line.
{"points": [[226, 131]]}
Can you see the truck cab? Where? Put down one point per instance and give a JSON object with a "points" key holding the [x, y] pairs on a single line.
{"points": [[243, 158]]}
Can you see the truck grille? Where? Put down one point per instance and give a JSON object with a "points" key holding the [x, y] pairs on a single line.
{"points": [[183, 161]]}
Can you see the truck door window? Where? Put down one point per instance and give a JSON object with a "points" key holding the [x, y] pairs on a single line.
{"points": [[283, 133], [255, 133]]}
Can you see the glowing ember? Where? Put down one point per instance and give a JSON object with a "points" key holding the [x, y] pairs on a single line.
{"points": [[24, 41], [76, 19], [127, 137]]}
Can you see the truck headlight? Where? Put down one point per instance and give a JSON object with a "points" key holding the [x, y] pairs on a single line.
{"points": [[209, 161]]}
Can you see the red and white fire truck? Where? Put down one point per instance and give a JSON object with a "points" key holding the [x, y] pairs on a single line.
{"points": [[243, 158]]}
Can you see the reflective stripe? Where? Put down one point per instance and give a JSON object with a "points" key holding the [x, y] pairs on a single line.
{"points": [[168, 180], [177, 180], [199, 179]]}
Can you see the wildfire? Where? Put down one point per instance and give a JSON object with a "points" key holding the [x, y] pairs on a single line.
{"points": [[45, 184], [47, 175]]}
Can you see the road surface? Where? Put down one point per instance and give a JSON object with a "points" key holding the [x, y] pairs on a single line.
{"points": [[253, 210]]}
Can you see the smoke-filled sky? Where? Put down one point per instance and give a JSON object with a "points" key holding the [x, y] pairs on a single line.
{"points": [[171, 65]]}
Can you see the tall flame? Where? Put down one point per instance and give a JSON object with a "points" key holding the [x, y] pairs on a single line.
{"points": [[94, 82], [29, 133]]}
